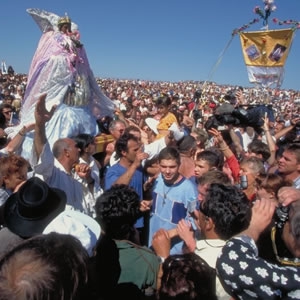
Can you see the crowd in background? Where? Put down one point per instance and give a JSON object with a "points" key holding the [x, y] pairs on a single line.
{"points": [[182, 203], [127, 94]]}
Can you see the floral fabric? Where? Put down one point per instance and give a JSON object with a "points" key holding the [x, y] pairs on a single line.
{"points": [[244, 275]]}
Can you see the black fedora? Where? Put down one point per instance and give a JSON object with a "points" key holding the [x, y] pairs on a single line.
{"points": [[28, 211]]}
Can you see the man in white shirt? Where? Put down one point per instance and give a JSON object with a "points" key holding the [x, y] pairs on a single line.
{"points": [[56, 167]]}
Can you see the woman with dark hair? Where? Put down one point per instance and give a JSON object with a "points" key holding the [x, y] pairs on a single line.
{"points": [[268, 185], [167, 118], [187, 276]]}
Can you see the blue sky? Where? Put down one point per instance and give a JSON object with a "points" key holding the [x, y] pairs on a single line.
{"points": [[170, 40]]}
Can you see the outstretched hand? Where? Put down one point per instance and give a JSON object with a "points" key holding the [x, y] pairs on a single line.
{"points": [[42, 115], [217, 135], [287, 195], [265, 125], [240, 98]]}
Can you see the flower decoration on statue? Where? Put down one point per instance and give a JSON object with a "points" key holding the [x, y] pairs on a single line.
{"points": [[266, 12], [75, 37]]}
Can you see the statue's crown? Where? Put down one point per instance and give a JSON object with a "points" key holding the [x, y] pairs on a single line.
{"points": [[64, 20]]}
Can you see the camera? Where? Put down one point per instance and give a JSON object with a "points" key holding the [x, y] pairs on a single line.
{"points": [[197, 95], [239, 116], [230, 97], [281, 216], [216, 121], [197, 114], [243, 184]]}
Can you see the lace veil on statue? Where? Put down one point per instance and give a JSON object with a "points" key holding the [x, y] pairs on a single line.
{"points": [[61, 69]]}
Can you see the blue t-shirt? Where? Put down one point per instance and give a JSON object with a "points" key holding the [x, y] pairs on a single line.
{"points": [[136, 182], [170, 205]]}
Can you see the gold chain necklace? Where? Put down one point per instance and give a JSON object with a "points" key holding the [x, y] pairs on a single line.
{"points": [[165, 193]]}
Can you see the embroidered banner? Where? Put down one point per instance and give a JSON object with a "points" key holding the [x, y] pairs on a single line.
{"points": [[265, 54]]}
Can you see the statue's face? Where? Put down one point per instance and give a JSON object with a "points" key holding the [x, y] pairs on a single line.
{"points": [[65, 27]]}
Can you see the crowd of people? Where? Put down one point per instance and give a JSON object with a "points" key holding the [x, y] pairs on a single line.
{"points": [[194, 196]]}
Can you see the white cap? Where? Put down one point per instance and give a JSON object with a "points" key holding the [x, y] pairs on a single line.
{"points": [[77, 224], [152, 124]]}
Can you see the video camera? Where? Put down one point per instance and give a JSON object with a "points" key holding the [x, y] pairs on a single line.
{"points": [[230, 97], [240, 116]]}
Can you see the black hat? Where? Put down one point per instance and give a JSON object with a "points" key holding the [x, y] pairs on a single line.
{"points": [[28, 211]]}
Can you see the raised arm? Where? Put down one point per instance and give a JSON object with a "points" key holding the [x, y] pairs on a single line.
{"points": [[270, 141], [262, 214], [287, 129], [228, 154], [15, 143], [127, 176], [42, 116]]}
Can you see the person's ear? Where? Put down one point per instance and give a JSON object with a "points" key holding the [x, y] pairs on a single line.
{"points": [[272, 196], [66, 151], [209, 224], [193, 151], [5, 180], [259, 156]]}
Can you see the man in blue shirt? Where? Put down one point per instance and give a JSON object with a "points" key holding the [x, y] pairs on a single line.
{"points": [[128, 170]]}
